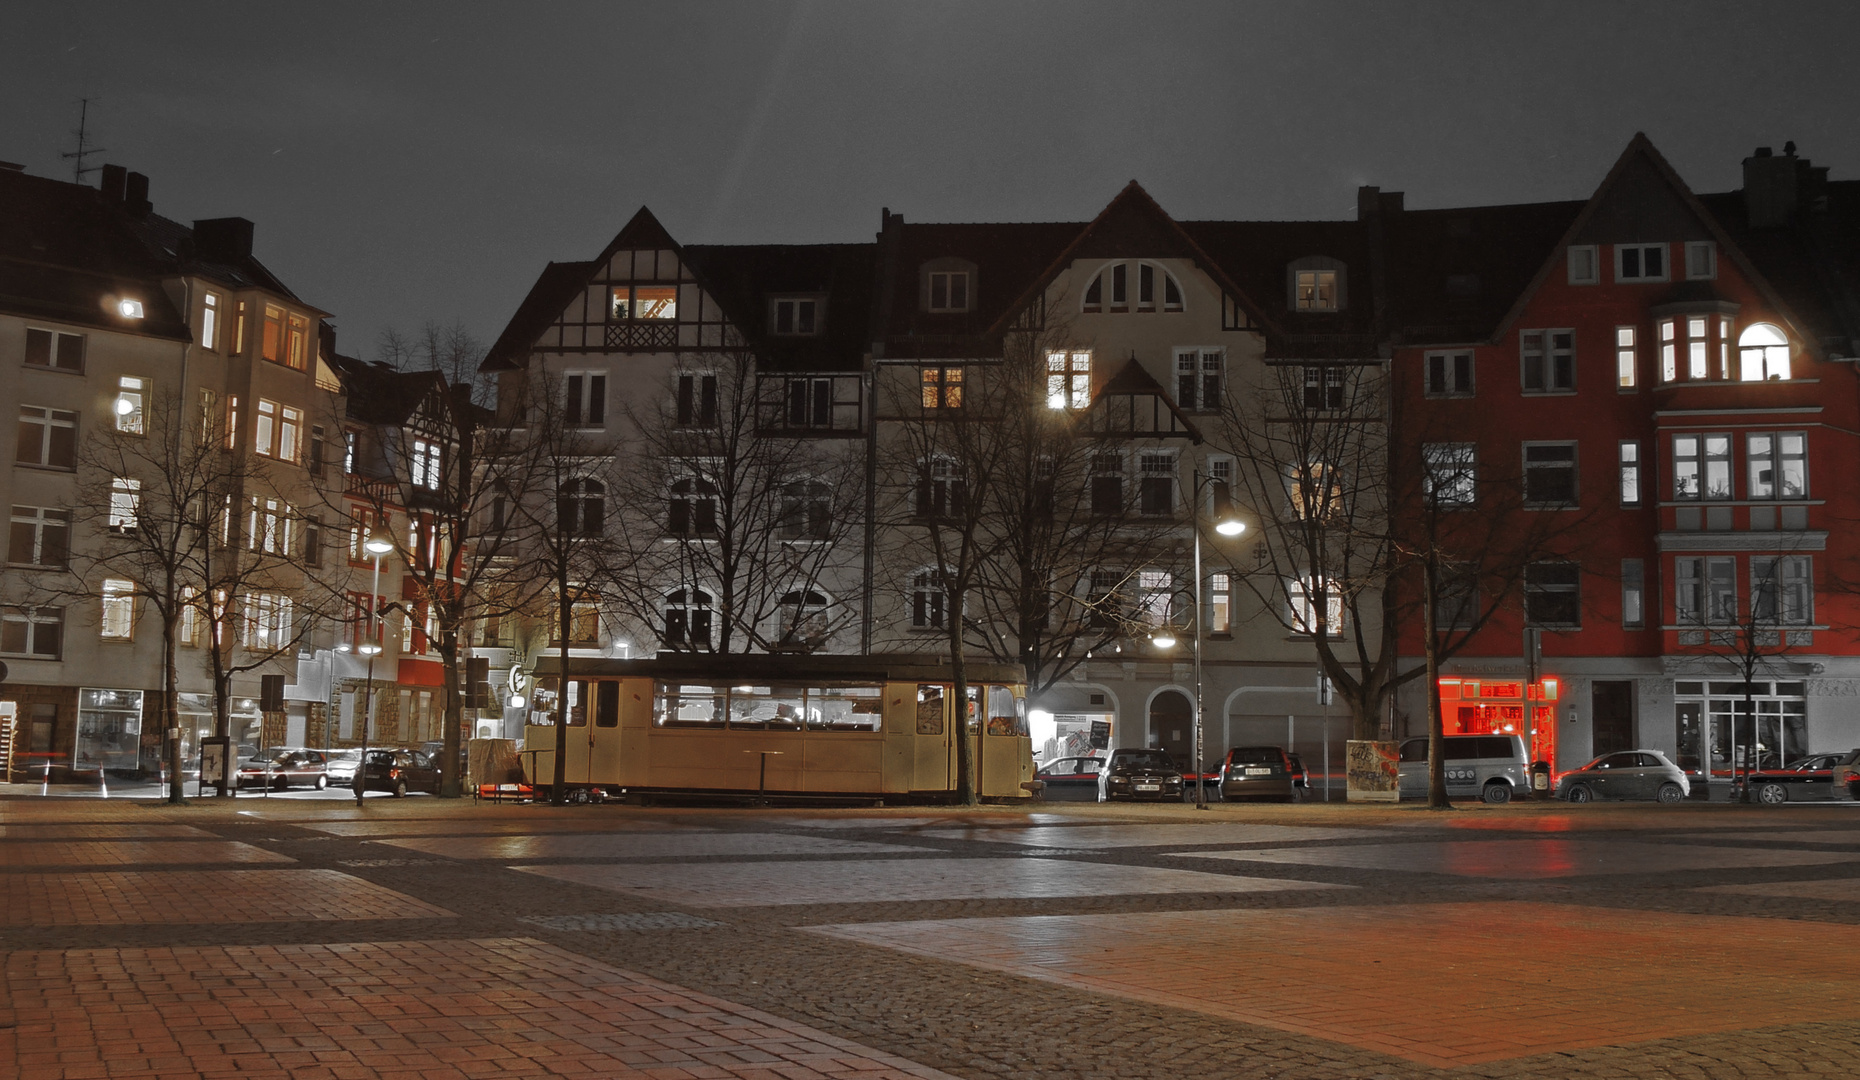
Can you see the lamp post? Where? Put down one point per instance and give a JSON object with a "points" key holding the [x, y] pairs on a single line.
{"points": [[376, 546], [1226, 523]]}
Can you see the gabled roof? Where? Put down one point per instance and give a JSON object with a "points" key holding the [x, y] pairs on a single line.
{"points": [[1131, 225], [1454, 274], [1258, 256], [557, 284], [1005, 255], [383, 395]]}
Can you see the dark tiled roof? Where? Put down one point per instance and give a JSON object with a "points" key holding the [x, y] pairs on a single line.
{"points": [[1456, 273], [173, 242], [1257, 255], [1009, 258], [1814, 264], [557, 284], [744, 278], [380, 394]]}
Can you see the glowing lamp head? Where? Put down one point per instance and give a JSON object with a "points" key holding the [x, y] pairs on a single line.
{"points": [[377, 545], [1163, 639], [1230, 527], [517, 701], [368, 650], [129, 309]]}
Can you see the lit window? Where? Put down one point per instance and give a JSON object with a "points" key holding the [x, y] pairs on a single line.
{"points": [[804, 619], [119, 610], [1549, 361], [210, 321], [1640, 262], [659, 302], [131, 397], [1068, 379], [1633, 594], [1627, 361], [232, 421], [1451, 478], [1582, 265], [1701, 260], [269, 525], [290, 432], [426, 465], [1724, 347], [1450, 374], [1701, 467], [51, 349], [47, 437], [796, 316], [1316, 607], [1314, 491], [1553, 594], [1220, 604], [942, 387], [34, 632], [239, 320], [1315, 290], [296, 353], [271, 346], [1778, 465], [949, 290], [1669, 351], [268, 621], [1763, 352], [1697, 347], [40, 536], [125, 503], [188, 633], [267, 431], [1630, 473], [1198, 374], [584, 398]]}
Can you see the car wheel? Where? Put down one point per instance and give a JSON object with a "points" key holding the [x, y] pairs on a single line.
{"points": [[1773, 794], [322, 782], [1497, 792], [1669, 793], [1580, 793], [400, 789]]}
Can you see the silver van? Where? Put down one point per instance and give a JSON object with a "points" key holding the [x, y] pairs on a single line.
{"points": [[1493, 767]]}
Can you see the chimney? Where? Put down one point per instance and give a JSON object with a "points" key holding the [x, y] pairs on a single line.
{"points": [[113, 180], [1770, 188], [1366, 199], [223, 240], [136, 196]]}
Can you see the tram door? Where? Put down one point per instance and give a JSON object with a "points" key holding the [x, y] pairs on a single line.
{"points": [[934, 752]]}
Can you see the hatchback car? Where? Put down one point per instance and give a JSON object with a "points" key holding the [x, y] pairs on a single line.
{"points": [[1139, 774], [340, 765], [397, 771], [1257, 772], [1629, 774], [1070, 779], [284, 768]]}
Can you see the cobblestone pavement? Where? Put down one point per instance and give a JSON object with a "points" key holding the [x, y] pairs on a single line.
{"points": [[428, 938]]}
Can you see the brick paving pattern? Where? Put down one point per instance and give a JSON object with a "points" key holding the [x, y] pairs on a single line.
{"points": [[100, 832], [129, 897], [1092, 837], [641, 846], [1534, 858], [496, 1007], [132, 853]]}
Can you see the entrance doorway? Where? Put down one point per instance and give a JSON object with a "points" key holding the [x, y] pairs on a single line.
{"points": [[1172, 723], [1612, 708]]}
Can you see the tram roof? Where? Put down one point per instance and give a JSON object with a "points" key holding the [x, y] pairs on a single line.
{"points": [[782, 668]]}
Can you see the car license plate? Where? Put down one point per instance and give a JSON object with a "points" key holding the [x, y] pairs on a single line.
{"points": [[1259, 772], [1149, 787]]}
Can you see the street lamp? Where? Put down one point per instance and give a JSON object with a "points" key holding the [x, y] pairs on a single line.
{"points": [[370, 647], [1226, 523]]}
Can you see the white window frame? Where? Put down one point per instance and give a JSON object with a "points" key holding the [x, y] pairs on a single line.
{"points": [[129, 410], [1316, 290], [1301, 609], [1154, 468], [1220, 599], [1763, 362], [1701, 260], [32, 618], [117, 618], [1627, 358], [1703, 461], [802, 314], [1779, 461], [587, 405], [1669, 350], [928, 599], [1200, 377], [63, 351], [1539, 349], [1068, 379], [952, 281], [1546, 464], [210, 320], [1584, 264], [125, 504], [1455, 467], [39, 521], [48, 420], [1449, 365], [1633, 594], [1640, 276], [1630, 488], [1782, 586]]}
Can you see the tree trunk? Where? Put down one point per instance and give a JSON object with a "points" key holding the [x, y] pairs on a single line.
{"points": [[1436, 737], [965, 759], [451, 783], [171, 710], [565, 610]]}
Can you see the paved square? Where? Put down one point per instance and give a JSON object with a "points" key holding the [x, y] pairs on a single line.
{"points": [[1530, 859], [132, 852], [1844, 890], [642, 846], [491, 827], [440, 1010], [1098, 837], [1442, 984], [124, 897], [876, 881], [99, 832], [1832, 837]]}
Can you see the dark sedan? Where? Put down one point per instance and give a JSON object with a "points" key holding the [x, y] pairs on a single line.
{"points": [[1810, 778], [1139, 774], [280, 769], [397, 772], [1070, 779], [1257, 772]]}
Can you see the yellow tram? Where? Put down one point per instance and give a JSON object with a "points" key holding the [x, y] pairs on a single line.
{"points": [[880, 726]]}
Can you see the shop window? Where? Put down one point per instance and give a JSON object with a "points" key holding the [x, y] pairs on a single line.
{"points": [[1549, 361], [54, 350], [1450, 374], [40, 536], [1763, 353], [1778, 464], [109, 729], [1553, 594], [1550, 474], [47, 437], [33, 632]]}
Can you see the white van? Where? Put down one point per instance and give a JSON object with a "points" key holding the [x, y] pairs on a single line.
{"points": [[1493, 767]]}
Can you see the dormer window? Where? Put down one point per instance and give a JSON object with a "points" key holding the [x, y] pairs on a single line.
{"points": [[1316, 284], [1640, 262], [949, 290], [641, 302], [797, 316], [1150, 279]]}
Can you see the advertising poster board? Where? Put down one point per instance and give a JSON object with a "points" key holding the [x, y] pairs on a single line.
{"points": [[1373, 769]]}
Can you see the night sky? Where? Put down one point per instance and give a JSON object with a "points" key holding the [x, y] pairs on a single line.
{"points": [[412, 162]]}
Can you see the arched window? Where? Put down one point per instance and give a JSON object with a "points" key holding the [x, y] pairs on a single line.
{"points": [[693, 508], [687, 618], [580, 507], [1763, 353], [1133, 286], [804, 618], [928, 600]]}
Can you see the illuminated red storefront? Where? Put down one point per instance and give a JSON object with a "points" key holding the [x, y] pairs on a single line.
{"points": [[1497, 707]]}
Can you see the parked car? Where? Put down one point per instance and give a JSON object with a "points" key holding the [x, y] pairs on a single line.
{"points": [[1844, 777], [1301, 780], [435, 751], [1139, 774], [1257, 772], [1629, 774], [1070, 779], [398, 771], [340, 765], [284, 768], [1810, 778], [1493, 767]]}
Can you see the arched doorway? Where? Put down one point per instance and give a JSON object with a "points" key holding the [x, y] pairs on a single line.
{"points": [[1172, 722]]}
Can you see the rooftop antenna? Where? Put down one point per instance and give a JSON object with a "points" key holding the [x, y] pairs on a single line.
{"points": [[84, 150]]}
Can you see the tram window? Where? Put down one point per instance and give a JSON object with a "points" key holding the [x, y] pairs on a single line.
{"points": [[607, 705], [1005, 713], [929, 709], [845, 708], [696, 705], [578, 703]]}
